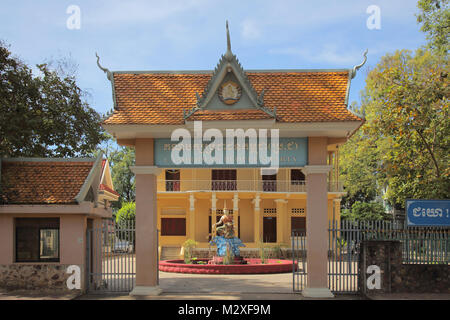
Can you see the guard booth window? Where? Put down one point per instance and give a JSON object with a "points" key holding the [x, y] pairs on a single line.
{"points": [[37, 240]]}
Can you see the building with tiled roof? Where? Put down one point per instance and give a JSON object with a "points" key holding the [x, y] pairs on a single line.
{"points": [[47, 207], [54, 181], [299, 96], [183, 193]]}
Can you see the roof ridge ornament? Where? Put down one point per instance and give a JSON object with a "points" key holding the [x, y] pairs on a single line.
{"points": [[228, 54], [229, 62], [357, 67], [105, 70]]}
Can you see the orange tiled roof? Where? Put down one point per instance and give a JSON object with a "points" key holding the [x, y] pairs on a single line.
{"points": [[42, 182], [247, 114], [298, 96]]}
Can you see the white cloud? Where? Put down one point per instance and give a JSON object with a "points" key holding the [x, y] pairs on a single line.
{"points": [[330, 54], [250, 29]]}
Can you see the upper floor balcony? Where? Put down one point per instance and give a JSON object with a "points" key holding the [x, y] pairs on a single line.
{"points": [[290, 186]]}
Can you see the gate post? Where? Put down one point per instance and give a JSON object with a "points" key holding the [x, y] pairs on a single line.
{"points": [[317, 232], [146, 220]]}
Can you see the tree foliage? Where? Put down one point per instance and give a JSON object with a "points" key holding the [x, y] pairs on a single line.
{"points": [[434, 17], [407, 103], [123, 178], [402, 150], [127, 212], [359, 159], [403, 146], [44, 115], [365, 211]]}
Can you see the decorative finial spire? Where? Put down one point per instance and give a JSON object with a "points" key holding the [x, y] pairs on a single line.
{"points": [[229, 54], [356, 68], [105, 70]]}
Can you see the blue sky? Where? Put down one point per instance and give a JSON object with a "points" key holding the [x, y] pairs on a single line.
{"points": [[190, 35]]}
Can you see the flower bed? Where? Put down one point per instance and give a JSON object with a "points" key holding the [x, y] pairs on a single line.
{"points": [[253, 266]]}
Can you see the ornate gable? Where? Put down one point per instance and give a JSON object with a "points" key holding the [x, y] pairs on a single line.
{"points": [[229, 89]]}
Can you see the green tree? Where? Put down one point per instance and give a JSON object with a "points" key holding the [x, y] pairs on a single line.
{"points": [[44, 115], [434, 17], [402, 150], [126, 213], [359, 160], [123, 179], [365, 211], [406, 99]]}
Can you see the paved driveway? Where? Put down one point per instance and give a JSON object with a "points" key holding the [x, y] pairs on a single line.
{"points": [[205, 283]]}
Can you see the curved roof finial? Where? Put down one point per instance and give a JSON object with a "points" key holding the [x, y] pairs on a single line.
{"points": [[357, 67], [229, 54], [105, 70]]}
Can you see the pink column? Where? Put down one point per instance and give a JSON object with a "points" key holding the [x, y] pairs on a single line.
{"points": [[317, 219], [146, 220]]}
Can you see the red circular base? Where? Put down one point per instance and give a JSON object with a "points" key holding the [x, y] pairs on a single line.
{"points": [[253, 266]]}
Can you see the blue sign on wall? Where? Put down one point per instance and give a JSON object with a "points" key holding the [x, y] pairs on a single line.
{"points": [[428, 213], [293, 152]]}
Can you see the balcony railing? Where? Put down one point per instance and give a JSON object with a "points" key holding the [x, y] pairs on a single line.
{"points": [[240, 185]]}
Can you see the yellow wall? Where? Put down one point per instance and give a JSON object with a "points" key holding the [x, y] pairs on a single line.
{"points": [[180, 205], [246, 213], [203, 204]]}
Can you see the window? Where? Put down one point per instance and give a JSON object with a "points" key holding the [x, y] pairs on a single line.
{"points": [[297, 177], [37, 240], [269, 229], [269, 182], [173, 226], [172, 180], [298, 225], [223, 180]]}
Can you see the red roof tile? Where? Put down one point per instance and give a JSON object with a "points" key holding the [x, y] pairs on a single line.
{"points": [[42, 182], [298, 96]]}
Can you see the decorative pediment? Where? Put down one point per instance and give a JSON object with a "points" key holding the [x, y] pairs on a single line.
{"points": [[229, 87]]}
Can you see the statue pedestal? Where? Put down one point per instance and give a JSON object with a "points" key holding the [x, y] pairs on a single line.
{"points": [[223, 244], [219, 260]]}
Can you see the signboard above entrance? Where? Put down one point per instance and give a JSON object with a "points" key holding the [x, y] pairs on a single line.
{"points": [[428, 213], [293, 152]]}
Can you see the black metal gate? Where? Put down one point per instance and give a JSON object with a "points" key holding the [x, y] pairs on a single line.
{"points": [[111, 256], [419, 246], [299, 259], [343, 258]]}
